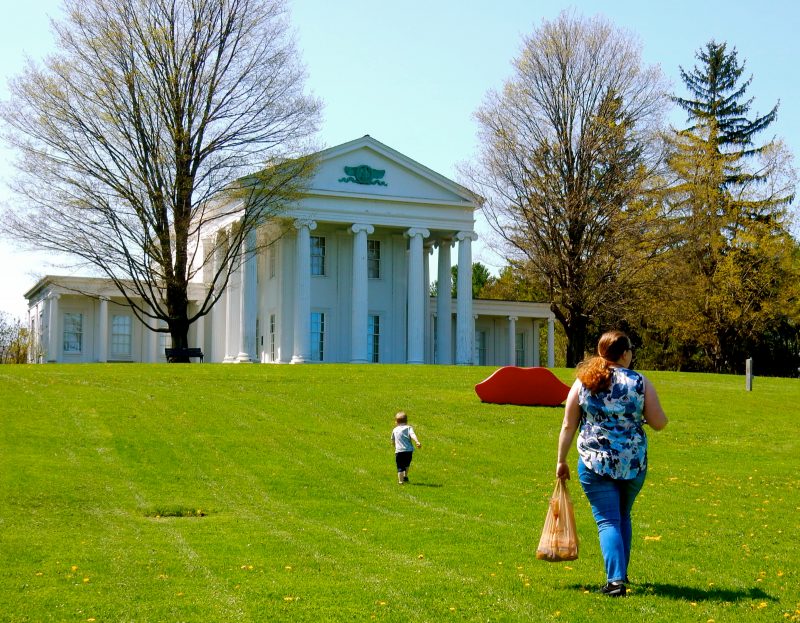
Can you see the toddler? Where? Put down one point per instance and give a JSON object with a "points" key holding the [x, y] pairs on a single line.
{"points": [[402, 437]]}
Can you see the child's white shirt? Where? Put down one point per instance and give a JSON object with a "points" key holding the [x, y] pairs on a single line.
{"points": [[402, 437]]}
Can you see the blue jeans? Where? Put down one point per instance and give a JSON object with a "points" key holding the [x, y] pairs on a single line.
{"points": [[611, 502]]}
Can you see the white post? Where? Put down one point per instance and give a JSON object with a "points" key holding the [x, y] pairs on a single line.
{"points": [[465, 332], [247, 298], [360, 303], [551, 343], [444, 318], [536, 357], [748, 382], [52, 328], [102, 342], [302, 292], [416, 300], [512, 340]]}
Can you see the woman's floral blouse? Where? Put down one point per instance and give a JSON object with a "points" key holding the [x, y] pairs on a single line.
{"points": [[612, 440]]}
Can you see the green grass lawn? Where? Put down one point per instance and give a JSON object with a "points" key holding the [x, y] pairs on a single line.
{"points": [[268, 493]]}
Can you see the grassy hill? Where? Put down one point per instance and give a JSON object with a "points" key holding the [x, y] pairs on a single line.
{"points": [[268, 493]]}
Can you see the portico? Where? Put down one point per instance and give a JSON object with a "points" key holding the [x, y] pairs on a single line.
{"points": [[342, 276]]}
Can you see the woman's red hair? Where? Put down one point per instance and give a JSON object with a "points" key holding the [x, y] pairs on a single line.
{"points": [[595, 372]]}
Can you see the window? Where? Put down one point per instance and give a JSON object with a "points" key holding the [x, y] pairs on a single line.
{"points": [[520, 348], [272, 337], [73, 333], [317, 336], [121, 336], [317, 255], [374, 259], [374, 338], [480, 347]]}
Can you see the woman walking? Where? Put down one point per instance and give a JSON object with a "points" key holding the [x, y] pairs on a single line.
{"points": [[608, 406]]}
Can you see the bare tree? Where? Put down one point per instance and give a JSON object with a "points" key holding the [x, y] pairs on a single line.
{"points": [[567, 155], [135, 138]]}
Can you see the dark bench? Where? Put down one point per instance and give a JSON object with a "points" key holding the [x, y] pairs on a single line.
{"points": [[179, 353]]}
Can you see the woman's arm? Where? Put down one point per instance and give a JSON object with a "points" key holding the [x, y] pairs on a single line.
{"points": [[653, 412], [572, 416]]}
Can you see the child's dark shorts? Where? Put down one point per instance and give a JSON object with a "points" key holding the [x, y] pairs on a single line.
{"points": [[403, 460]]}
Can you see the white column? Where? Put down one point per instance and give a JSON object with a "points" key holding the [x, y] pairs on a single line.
{"points": [[551, 341], [536, 358], [52, 328], [102, 339], [152, 339], [230, 316], [247, 299], [219, 312], [444, 317], [416, 296], [302, 292], [465, 332], [200, 334], [475, 357], [427, 250], [512, 340], [360, 304]]}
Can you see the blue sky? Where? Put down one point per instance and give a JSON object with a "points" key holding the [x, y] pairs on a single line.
{"points": [[412, 73]]}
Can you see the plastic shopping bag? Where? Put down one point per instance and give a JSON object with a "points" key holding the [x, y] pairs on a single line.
{"points": [[559, 539]]}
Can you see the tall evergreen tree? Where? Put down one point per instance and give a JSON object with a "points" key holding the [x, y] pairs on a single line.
{"points": [[732, 254]]}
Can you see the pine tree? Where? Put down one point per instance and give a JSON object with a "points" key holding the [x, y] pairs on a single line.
{"points": [[730, 195]]}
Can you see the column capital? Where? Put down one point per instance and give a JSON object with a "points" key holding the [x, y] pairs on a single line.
{"points": [[306, 223], [357, 228], [444, 242], [417, 231], [513, 318], [54, 296], [466, 235]]}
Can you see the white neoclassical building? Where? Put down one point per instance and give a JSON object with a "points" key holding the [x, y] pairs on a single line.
{"points": [[346, 281]]}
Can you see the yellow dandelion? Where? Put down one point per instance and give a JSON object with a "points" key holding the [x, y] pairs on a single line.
{"points": [[85, 580], [763, 604], [693, 604], [73, 568], [39, 574], [653, 538], [421, 556], [381, 603], [452, 609], [288, 567]]}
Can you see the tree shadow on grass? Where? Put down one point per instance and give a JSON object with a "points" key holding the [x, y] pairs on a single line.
{"points": [[691, 593], [425, 484]]}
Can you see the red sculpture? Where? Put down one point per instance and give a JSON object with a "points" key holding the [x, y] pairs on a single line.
{"points": [[512, 385]]}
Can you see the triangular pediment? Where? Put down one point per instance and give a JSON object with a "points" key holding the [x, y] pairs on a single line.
{"points": [[367, 167]]}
